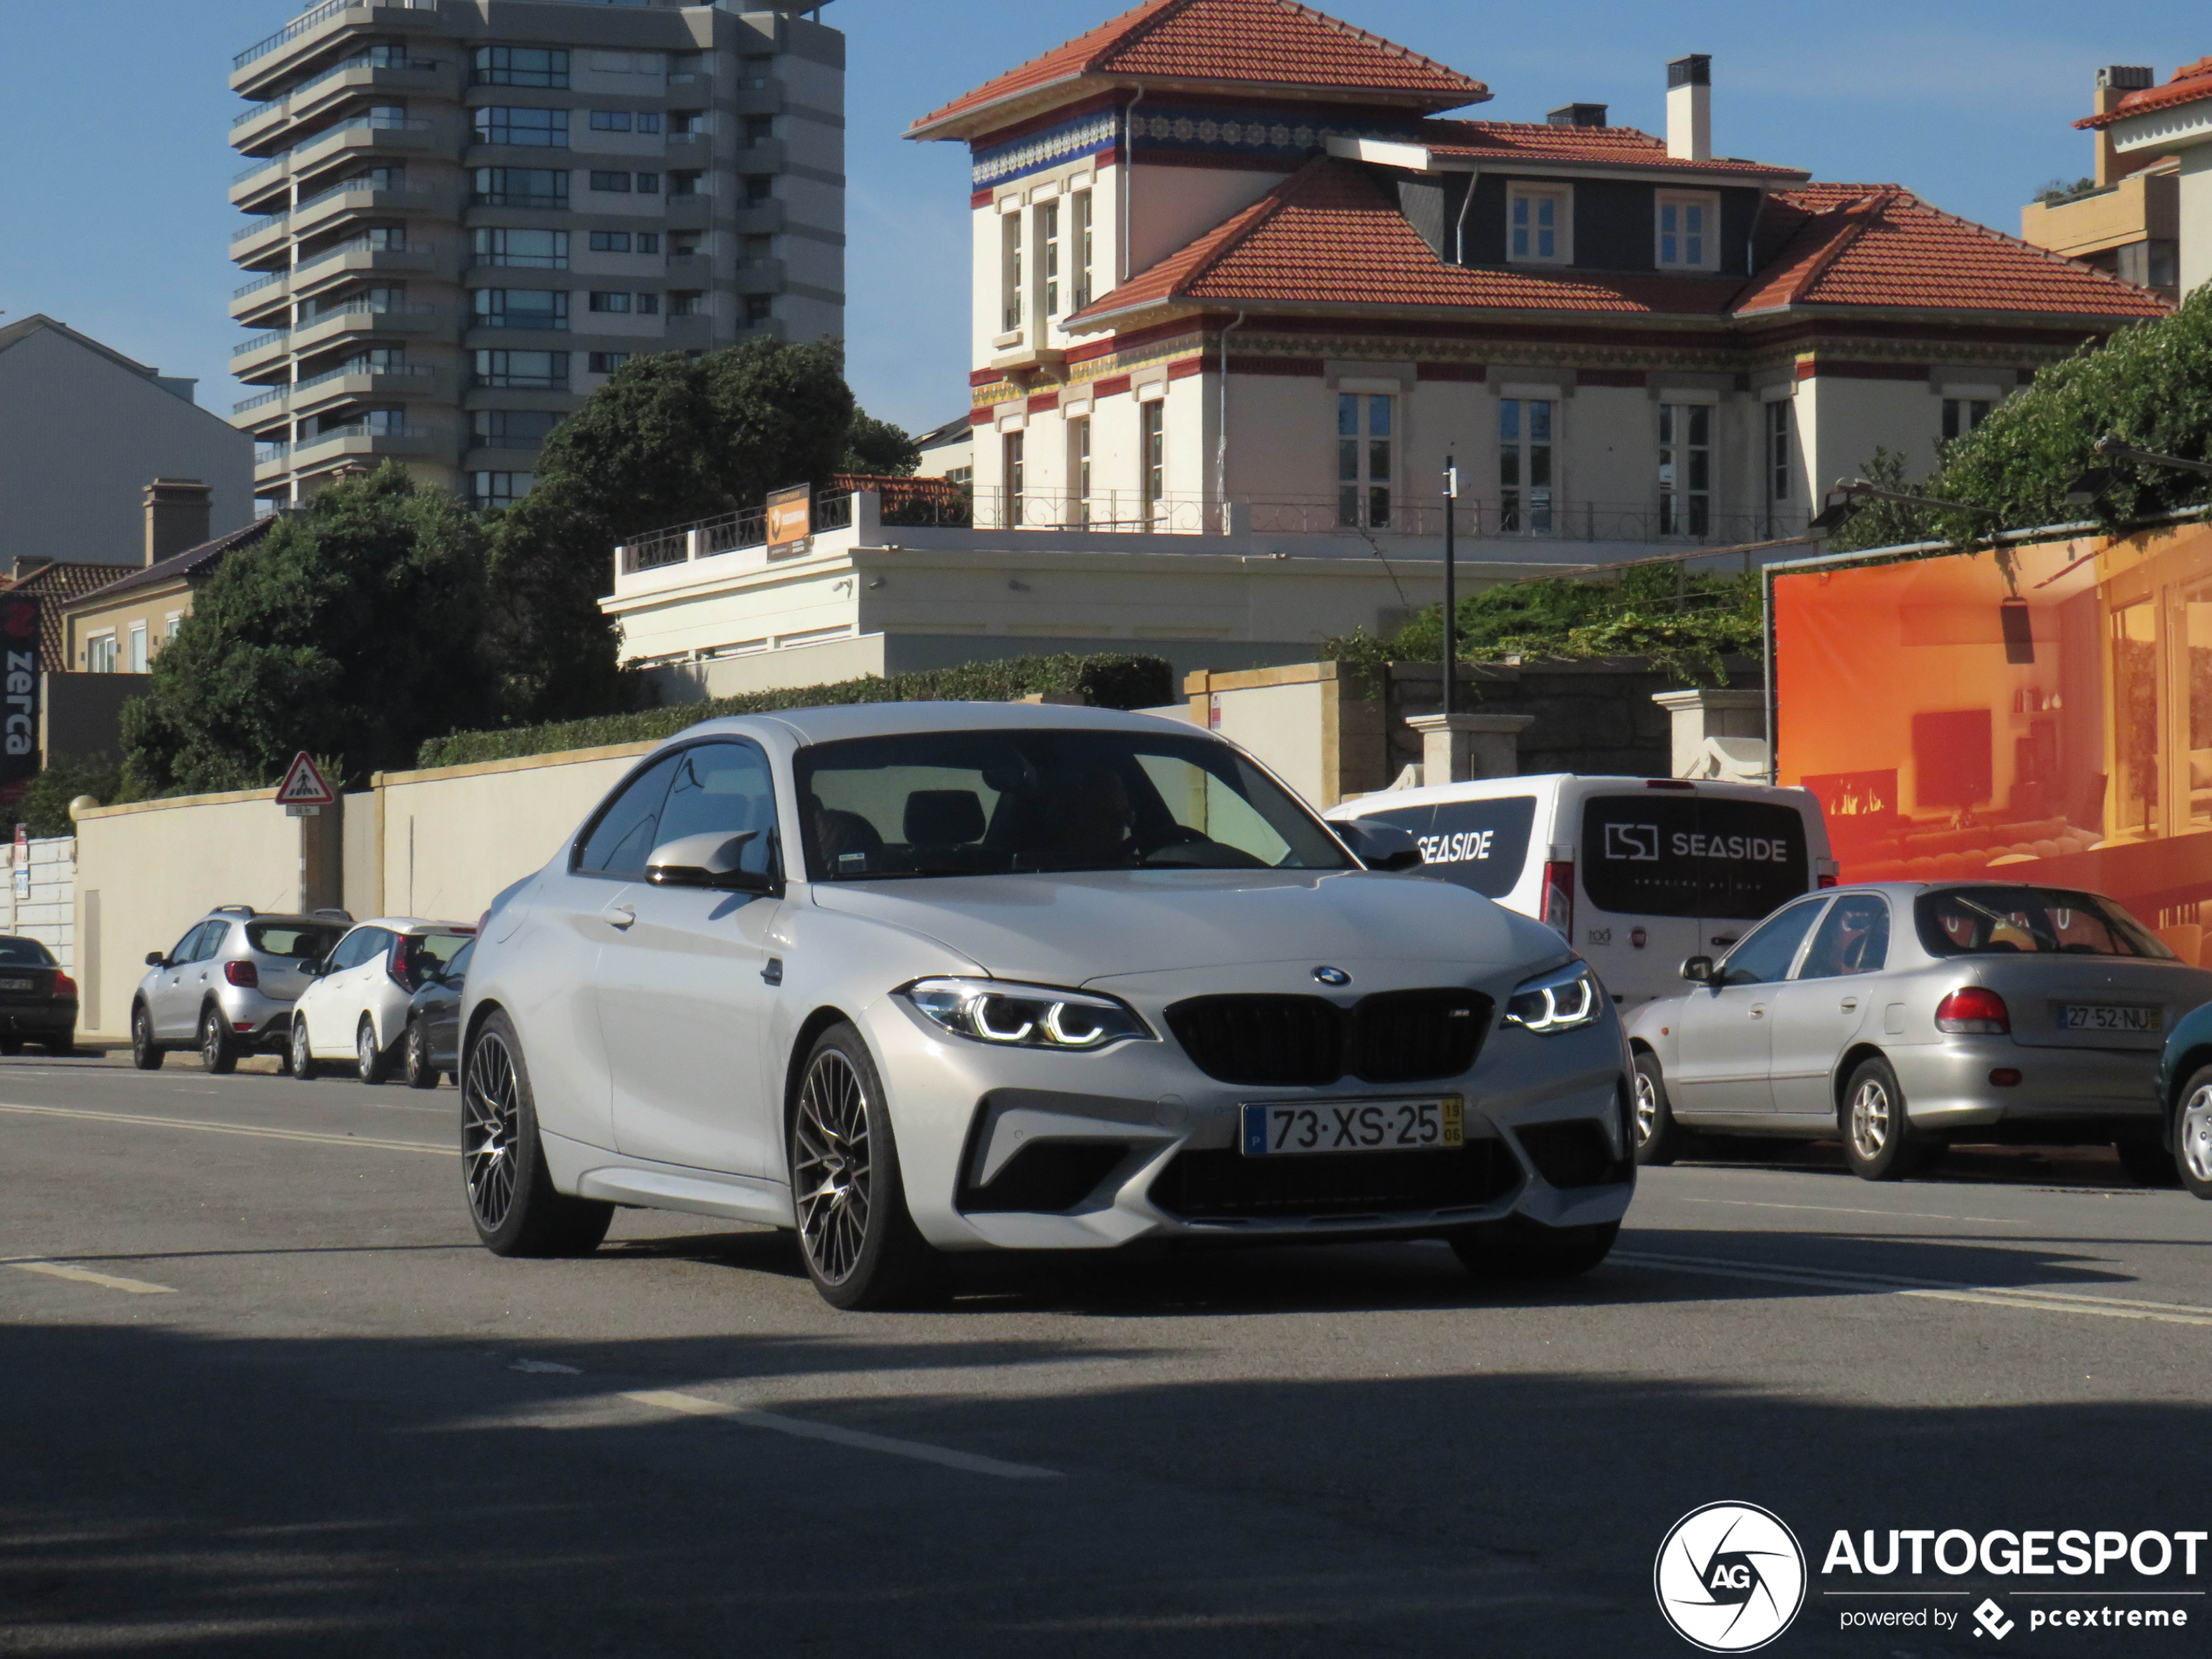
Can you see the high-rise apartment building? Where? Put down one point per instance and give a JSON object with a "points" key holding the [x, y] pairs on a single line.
{"points": [[467, 213]]}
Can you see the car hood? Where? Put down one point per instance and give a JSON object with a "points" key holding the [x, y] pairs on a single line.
{"points": [[1069, 929]]}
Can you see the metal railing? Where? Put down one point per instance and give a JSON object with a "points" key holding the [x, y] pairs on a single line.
{"points": [[255, 226], [261, 166], [274, 395], [359, 245], [292, 388], [274, 337], [363, 61], [731, 532], [266, 280], [315, 18], [362, 429]]}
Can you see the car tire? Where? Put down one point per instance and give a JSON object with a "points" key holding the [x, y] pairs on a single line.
{"points": [[304, 1065], [512, 1202], [145, 1053], [62, 1048], [860, 1243], [10, 1046], [218, 1054], [372, 1064], [1656, 1137], [1880, 1142], [420, 1073], [2192, 1134], [1519, 1248], [2148, 1164]]}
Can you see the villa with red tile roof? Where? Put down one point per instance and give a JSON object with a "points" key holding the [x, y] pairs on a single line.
{"points": [[1240, 269]]}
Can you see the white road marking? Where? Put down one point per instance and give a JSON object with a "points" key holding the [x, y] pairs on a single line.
{"points": [[86, 1276], [545, 1367], [2109, 1307], [1839, 1209], [313, 1136], [696, 1406]]}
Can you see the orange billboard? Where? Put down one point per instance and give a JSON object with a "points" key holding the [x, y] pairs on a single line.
{"points": [[2044, 714]]}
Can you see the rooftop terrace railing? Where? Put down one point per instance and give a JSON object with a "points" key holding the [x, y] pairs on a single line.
{"points": [[315, 18]]}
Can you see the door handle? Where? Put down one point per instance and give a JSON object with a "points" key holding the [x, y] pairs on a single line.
{"points": [[1758, 1010], [1850, 1002], [619, 916]]}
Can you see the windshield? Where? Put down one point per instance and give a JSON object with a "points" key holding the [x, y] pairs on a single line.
{"points": [[1971, 921], [300, 942], [982, 802], [24, 952]]}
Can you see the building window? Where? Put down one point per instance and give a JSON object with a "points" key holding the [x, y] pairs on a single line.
{"points": [[1685, 469], [1687, 231], [137, 648], [1777, 451], [605, 362], [544, 250], [532, 371], [606, 241], [520, 187], [2154, 264], [502, 488], [759, 129], [757, 310], [687, 303], [1540, 225], [511, 428], [1079, 467], [101, 654], [522, 308], [1525, 465], [624, 121], [1010, 270], [544, 128], [521, 66], [1011, 445], [1364, 444], [756, 70], [1080, 248], [1048, 255], [649, 183], [617, 182], [759, 187], [610, 302], [171, 624], [1962, 414], [1152, 459]]}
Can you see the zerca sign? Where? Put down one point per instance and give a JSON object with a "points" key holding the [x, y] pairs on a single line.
{"points": [[19, 639]]}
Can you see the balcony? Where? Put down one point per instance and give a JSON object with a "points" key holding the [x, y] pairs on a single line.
{"points": [[762, 155], [365, 441], [358, 258], [407, 381], [758, 218], [257, 237], [754, 100], [354, 198], [691, 270], [754, 276], [375, 133], [266, 62], [260, 352], [366, 318]]}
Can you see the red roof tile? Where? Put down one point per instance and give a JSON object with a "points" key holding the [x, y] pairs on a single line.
{"points": [[1332, 235], [1275, 43], [2190, 83], [1542, 142], [56, 584]]}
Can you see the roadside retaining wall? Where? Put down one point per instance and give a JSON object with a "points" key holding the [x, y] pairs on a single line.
{"points": [[40, 899]]}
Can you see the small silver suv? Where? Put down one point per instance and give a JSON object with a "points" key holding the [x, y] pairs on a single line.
{"points": [[228, 985]]}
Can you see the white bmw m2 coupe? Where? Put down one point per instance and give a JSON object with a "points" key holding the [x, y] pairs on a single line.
{"points": [[922, 978]]}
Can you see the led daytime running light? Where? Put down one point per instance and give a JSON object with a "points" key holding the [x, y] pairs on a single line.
{"points": [[1013, 1015], [1560, 1000]]}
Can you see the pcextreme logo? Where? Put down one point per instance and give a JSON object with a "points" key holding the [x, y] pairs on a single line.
{"points": [[1730, 1577]]}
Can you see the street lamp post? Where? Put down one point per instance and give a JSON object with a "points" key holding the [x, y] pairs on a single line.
{"points": [[1451, 587]]}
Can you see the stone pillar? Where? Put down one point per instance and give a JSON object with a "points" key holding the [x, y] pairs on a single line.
{"points": [[1705, 713], [1458, 748]]}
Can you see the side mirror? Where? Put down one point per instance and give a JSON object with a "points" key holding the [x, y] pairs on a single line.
{"points": [[708, 861], [157, 959], [1381, 846], [1698, 970]]}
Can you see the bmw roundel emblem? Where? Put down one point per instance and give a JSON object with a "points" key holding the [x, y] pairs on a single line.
{"points": [[1332, 976]]}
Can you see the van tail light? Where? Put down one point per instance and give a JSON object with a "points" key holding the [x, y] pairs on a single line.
{"points": [[65, 986], [1825, 871], [1976, 1010], [243, 974], [1557, 910], [1826, 880]]}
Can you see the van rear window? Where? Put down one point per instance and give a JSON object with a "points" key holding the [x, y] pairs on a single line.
{"points": [[1477, 844], [1692, 856]]}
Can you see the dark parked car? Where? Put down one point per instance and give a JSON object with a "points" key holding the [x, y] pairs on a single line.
{"points": [[2185, 1092], [432, 1045], [37, 1001]]}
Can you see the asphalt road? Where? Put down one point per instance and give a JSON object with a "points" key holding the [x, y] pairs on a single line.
{"points": [[260, 1392]]}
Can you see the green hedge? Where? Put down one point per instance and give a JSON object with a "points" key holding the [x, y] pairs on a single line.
{"points": [[1108, 682]]}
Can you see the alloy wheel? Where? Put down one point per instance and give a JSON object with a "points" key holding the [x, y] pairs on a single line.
{"points": [[831, 1166], [1647, 1109], [302, 1061], [490, 1127], [1870, 1119], [2194, 1142], [211, 1041], [365, 1049]]}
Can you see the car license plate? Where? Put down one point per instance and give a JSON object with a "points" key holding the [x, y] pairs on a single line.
{"points": [[2109, 1016], [1284, 1129], [16, 984]]}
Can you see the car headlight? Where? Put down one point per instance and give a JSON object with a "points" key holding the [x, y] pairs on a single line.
{"points": [[1024, 1017], [1560, 1000]]}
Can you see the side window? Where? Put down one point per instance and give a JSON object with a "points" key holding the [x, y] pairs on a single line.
{"points": [[628, 828], [357, 947], [1854, 938], [722, 789], [1765, 956], [182, 951]]}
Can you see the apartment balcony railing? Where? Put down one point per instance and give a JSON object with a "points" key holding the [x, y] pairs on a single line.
{"points": [[277, 106], [732, 533], [260, 342], [309, 21], [254, 227], [357, 244], [379, 373], [274, 395], [267, 279]]}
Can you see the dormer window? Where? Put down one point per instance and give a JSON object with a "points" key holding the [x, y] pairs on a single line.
{"points": [[1687, 226], [1540, 225]]}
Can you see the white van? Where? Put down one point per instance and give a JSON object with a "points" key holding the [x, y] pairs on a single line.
{"points": [[1637, 872]]}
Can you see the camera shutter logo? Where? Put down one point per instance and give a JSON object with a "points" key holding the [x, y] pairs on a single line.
{"points": [[1637, 843], [1729, 1578]]}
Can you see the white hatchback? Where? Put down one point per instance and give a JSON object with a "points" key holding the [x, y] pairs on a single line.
{"points": [[356, 1000]]}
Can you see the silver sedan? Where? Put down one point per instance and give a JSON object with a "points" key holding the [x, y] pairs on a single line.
{"points": [[925, 978], [1905, 1015]]}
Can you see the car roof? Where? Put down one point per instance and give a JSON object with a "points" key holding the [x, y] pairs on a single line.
{"points": [[282, 918], [415, 924], [1540, 782], [891, 719]]}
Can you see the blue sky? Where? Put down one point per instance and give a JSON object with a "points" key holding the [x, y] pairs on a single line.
{"points": [[1964, 101]]}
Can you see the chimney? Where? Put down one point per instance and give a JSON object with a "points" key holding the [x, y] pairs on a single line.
{"points": [[2114, 82], [1690, 108], [178, 512], [1577, 115]]}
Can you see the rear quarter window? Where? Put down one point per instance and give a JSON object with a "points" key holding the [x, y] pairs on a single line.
{"points": [[1477, 844], [1673, 855], [289, 939]]}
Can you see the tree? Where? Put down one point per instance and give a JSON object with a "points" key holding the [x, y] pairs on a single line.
{"points": [[664, 442], [878, 447], [44, 806], [353, 629]]}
